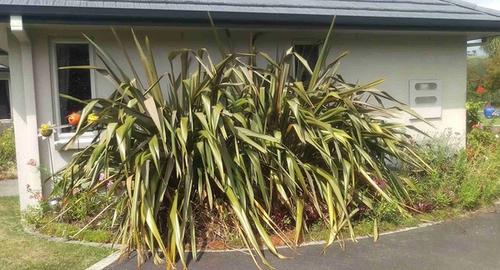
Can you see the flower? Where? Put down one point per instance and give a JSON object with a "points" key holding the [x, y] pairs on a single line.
{"points": [[381, 183], [46, 130], [480, 90], [31, 162], [109, 185], [478, 126], [92, 118]]}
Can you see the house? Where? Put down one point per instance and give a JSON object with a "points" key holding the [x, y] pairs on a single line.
{"points": [[418, 47]]}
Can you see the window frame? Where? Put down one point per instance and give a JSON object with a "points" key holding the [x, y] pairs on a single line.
{"points": [[305, 42], [63, 137], [4, 76]]}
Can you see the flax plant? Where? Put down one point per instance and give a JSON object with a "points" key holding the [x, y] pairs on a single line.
{"points": [[235, 136]]}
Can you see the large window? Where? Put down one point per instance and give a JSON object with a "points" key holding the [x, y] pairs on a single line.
{"points": [[4, 100], [310, 52], [72, 82]]}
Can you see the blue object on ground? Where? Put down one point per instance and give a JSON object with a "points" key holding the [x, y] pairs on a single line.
{"points": [[489, 112]]}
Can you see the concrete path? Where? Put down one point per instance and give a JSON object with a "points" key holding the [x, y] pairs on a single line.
{"points": [[466, 243], [8, 188]]}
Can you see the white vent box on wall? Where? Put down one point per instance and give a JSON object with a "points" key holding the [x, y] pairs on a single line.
{"points": [[425, 98]]}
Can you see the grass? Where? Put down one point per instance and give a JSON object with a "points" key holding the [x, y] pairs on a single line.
{"points": [[21, 250], [68, 231]]}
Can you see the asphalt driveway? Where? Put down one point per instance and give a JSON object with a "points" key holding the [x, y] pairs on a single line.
{"points": [[467, 243]]}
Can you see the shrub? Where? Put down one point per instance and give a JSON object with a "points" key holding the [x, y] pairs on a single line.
{"points": [[484, 72], [476, 74], [464, 178], [7, 150], [85, 206], [233, 137], [473, 113], [480, 138]]}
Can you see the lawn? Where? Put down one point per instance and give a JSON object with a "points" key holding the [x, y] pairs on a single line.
{"points": [[24, 251]]}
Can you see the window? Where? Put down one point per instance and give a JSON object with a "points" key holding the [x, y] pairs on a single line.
{"points": [[72, 82], [425, 97], [4, 100], [309, 52]]}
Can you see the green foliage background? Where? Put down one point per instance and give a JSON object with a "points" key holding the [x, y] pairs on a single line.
{"points": [[7, 150]]}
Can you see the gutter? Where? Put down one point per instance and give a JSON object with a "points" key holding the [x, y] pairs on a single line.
{"points": [[198, 18]]}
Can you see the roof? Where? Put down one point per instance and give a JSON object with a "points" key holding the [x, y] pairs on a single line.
{"points": [[422, 14]]}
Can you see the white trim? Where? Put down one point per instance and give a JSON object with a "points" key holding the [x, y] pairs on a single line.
{"points": [[81, 142], [23, 97], [6, 121], [60, 138]]}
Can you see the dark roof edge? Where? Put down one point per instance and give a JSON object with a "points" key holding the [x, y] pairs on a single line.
{"points": [[106, 16]]}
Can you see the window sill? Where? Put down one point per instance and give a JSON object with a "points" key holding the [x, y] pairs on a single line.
{"points": [[6, 121], [82, 142]]}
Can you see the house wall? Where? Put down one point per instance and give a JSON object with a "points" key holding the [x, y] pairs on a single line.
{"points": [[395, 57]]}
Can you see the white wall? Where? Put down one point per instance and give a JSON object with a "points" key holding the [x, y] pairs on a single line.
{"points": [[395, 57]]}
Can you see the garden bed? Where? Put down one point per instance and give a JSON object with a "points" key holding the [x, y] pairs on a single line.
{"points": [[462, 182]]}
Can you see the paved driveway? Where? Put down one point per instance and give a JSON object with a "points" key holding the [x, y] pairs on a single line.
{"points": [[467, 243]]}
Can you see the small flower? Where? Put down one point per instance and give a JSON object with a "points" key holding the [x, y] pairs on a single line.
{"points": [[92, 118], [478, 126], [31, 162], [46, 130], [109, 185], [101, 177], [381, 183]]}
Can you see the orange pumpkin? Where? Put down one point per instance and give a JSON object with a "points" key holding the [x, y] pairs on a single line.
{"points": [[74, 119]]}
